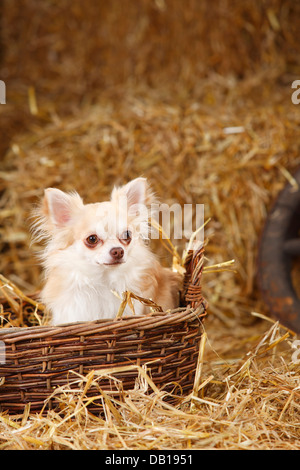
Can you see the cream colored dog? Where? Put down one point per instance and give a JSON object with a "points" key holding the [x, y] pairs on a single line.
{"points": [[96, 250]]}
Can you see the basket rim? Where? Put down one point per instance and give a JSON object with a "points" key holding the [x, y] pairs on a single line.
{"points": [[193, 306], [137, 322]]}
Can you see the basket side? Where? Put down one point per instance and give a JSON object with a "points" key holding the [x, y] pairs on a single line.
{"points": [[43, 362], [38, 368]]}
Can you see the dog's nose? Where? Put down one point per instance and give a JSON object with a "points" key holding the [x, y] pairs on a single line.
{"points": [[117, 253]]}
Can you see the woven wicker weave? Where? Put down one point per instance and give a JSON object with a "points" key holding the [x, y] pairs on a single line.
{"points": [[40, 359]]}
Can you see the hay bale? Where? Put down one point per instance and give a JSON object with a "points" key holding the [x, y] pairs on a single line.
{"points": [[80, 51]]}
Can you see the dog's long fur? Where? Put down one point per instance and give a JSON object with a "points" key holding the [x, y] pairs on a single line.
{"points": [[82, 279]]}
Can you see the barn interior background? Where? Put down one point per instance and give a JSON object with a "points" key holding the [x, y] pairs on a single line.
{"points": [[100, 92]]}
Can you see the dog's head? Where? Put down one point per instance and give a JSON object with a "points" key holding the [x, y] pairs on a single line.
{"points": [[103, 233]]}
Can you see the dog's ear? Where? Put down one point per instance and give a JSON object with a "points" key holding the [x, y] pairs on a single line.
{"points": [[59, 207], [137, 192]]}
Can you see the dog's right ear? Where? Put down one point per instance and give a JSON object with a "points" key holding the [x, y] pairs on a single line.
{"points": [[137, 192], [59, 207]]}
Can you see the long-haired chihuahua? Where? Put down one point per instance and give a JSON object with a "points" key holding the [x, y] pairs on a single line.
{"points": [[95, 251]]}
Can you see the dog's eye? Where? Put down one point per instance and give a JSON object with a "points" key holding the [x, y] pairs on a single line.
{"points": [[126, 237], [92, 240]]}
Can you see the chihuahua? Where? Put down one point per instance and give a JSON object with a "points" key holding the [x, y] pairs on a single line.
{"points": [[95, 252]]}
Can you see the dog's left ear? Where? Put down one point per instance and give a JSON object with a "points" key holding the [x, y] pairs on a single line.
{"points": [[136, 192]]}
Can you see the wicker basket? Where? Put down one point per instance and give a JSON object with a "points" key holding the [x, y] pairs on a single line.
{"points": [[42, 359]]}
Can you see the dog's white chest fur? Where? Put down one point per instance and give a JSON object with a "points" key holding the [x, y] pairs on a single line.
{"points": [[86, 304], [81, 297]]}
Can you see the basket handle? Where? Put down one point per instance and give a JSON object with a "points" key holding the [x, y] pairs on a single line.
{"points": [[192, 292]]}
